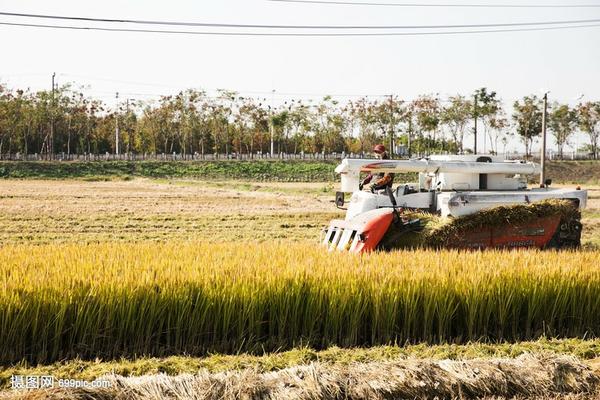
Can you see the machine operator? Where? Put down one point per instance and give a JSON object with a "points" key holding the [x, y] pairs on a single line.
{"points": [[383, 180]]}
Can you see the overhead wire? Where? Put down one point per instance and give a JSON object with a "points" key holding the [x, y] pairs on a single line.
{"points": [[237, 93], [177, 88], [344, 34], [316, 97], [313, 27], [537, 26], [114, 80], [440, 5]]}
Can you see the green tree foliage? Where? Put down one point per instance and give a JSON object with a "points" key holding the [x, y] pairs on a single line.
{"points": [[456, 117], [589, 122], [66, 121], [426, 111], [528, 120], [489, 110], [562, 121]]}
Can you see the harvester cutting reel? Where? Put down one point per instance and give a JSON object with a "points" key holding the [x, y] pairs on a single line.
{"points": [[364, 232]]}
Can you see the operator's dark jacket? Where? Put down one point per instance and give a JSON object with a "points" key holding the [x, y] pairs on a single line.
{"points": [[383, 179]]}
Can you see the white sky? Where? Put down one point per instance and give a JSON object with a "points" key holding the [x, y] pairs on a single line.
{"points": [[566, 62]]}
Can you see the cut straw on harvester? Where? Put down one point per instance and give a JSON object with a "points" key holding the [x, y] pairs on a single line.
{"points": [[438, 232]]}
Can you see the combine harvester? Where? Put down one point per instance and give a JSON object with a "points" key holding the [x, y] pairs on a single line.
{"points": [[483, 200]]}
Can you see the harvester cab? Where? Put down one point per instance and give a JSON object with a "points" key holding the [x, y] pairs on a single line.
{"points": [[452, 187]]}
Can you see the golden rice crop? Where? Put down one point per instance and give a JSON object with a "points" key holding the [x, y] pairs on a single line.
{"points": [[126, 299]]}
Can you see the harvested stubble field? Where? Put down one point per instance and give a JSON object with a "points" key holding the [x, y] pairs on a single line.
{"points": [[75, 211], [531, 376], [587, 350], [38, 211], [158, 267]]}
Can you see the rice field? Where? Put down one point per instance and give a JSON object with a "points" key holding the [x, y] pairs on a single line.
{"points": [[125, 270], [122, 299]]}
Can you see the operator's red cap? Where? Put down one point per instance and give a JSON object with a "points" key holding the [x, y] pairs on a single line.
{"points": [[379, 148]]}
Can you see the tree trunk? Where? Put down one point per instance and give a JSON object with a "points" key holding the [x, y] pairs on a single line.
{"points": [[496, 144], [43, 147], [69, 136], [129, 134], [560, 150], [25, 138], [88, 138]]}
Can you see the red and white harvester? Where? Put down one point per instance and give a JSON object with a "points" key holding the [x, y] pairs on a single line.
{"points": [[454, 187]]}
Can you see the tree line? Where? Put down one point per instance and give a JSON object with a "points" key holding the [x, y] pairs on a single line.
{"points": [[65, 120]]}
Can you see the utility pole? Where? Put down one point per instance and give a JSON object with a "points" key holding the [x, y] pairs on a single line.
{"points": [[543, 150], [271, 127], [409, 136], [50, 147], [128, 128], [117, 126], [475, 127], [391, 126]]}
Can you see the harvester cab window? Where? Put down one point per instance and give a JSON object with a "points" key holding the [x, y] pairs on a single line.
{"points": [[483, 178]]}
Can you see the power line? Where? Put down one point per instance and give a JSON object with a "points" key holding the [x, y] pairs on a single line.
{"points": [[445, 98], [359, 3], [241, 92], [115, 80], [205, 89], [262, 26], [206, 33]]}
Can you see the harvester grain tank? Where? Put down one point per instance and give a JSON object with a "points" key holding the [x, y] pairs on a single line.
{"points": [[455, 188]]}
